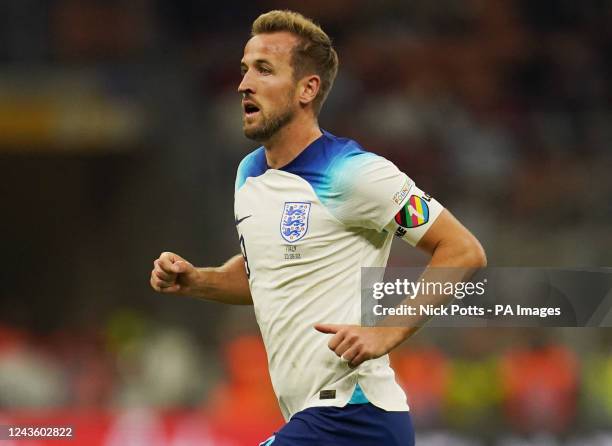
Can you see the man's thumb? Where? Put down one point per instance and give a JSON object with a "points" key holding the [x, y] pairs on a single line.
{"points": [[327, 328]]}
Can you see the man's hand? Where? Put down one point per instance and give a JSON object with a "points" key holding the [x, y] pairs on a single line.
{"points": [[226, 284], [357, 344], [173, 274]]}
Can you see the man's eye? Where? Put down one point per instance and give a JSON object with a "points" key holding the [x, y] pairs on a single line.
{"points": [[265, 70]]}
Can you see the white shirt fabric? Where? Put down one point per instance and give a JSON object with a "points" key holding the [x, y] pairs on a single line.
{"points": [[306, 230]]}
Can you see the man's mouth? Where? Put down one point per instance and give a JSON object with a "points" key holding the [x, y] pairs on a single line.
{"points": [[250, 109]]}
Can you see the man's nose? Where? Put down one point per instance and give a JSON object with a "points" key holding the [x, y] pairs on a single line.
{"points": [[246, 85]]}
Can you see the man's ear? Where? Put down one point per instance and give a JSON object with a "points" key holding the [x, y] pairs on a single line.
{"points": [[308, 88]]}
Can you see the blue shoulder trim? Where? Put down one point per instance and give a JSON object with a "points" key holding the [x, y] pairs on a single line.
{"points": [[253, 165], [327, 164], [324, 164]]}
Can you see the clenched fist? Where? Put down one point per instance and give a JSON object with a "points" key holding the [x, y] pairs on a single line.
{"points": [[173, 274]]}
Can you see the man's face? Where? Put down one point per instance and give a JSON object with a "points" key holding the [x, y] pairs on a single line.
{"points": [[268, 86]]}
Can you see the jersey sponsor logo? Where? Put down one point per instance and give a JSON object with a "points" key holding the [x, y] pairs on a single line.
{"points": [[294, 222], [414, 213]]}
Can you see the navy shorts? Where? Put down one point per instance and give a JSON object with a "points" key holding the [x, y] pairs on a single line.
{"points": [[351, 425]]}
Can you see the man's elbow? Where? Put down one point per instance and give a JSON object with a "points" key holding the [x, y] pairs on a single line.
{"points": [[474, 254]]}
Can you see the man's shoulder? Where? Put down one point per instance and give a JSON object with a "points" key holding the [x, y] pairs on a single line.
{"points": [[330, 165], [341, 147], [348, 156], [252, 165], [338, 154]]}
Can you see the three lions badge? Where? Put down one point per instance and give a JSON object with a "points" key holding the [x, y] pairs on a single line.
{"points": [[294, 222]]}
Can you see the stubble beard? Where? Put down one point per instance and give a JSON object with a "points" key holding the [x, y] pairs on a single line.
{"points": [[270, 125]]}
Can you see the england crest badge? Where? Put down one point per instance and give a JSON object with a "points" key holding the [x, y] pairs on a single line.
{"points": [[294, 222]]}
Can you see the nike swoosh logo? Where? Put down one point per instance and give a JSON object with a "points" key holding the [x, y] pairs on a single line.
{"points": [[237, 222]]}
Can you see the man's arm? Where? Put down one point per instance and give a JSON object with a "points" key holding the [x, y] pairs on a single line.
{"points": [[450, 245], [228, 283]]}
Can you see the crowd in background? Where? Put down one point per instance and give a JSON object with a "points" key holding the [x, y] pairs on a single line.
{"points": [[120, 135], [472, 382]]}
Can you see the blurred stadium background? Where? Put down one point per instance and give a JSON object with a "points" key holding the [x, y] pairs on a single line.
{"points": [[119, 138]]}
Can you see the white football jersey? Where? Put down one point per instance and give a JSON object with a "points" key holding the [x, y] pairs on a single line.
{"points": [[305, 231]]}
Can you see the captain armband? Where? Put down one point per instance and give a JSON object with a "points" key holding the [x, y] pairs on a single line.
{"points": [[415, 217]]}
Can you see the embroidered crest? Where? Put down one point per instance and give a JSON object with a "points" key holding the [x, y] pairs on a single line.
{"points": [[294, 222]]}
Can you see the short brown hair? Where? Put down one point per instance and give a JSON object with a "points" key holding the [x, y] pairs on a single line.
{"points": [[313, 54]]}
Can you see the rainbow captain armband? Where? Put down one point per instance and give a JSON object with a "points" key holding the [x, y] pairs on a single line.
{"points": [[414, 213], [414, 218]]}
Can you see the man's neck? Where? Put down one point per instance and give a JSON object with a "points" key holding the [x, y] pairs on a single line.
{"points": [[290, 141]]}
